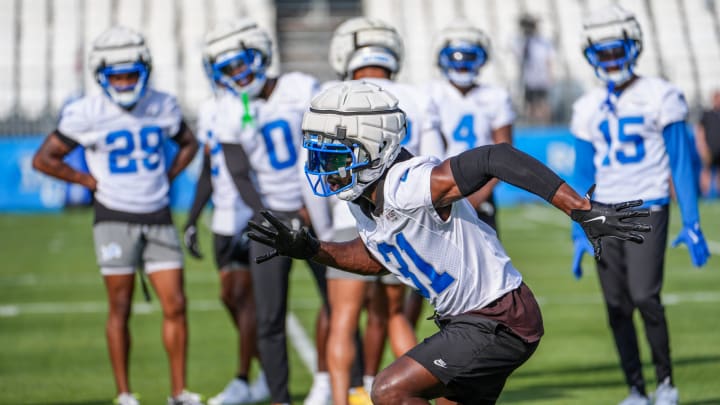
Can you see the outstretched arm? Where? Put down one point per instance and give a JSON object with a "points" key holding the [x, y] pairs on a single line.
{"points": [[465, 173], [350, 256]]}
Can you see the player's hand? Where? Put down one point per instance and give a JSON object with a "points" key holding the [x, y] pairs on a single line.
{"points": [[582, 245], [693, 237], [297, 243], [190, 238], [611, 220]]}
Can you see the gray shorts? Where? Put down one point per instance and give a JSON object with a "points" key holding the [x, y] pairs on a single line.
{"points": [[348, 234], [121, 247]]}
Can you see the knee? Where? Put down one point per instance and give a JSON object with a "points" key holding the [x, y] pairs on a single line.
{"points": [[175, 307], [385, 391], [649, 305], [119, 308], [229, 299]]}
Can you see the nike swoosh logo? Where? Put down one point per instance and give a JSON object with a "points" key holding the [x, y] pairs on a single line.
{"points": [[601, 218]]}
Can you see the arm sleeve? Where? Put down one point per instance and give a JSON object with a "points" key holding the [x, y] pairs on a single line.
{"points": [[474, 168], [679, 149], [583, 175], [239, 166], [203, 190]]}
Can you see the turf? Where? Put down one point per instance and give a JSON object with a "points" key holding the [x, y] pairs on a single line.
{"points": [[52, 312]]}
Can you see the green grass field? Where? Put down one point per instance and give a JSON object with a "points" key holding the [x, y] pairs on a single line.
{"points": [[52, 313]]}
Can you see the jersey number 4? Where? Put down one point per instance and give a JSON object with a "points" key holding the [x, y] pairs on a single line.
{"points": [[624, 137], [122, 158], [438, 281]]}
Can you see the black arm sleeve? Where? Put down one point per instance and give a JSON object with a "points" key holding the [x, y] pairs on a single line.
{"points": [[203, 190], [474, 168], [70, 143], [181, 129], [239, 166]]}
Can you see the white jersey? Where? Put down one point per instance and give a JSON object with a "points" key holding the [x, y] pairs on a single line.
{"points": [[230, 213], [467, 121], [458, 264], [630, 157], [273, 141], [124, 149]]}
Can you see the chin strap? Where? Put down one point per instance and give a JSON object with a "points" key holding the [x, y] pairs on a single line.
{"points": [[608, 100], [247, 118]]}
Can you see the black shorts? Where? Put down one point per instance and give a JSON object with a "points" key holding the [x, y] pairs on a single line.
{"points": [[232, 251], [472, 356]]}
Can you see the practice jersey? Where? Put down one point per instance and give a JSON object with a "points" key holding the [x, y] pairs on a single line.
{"points": [[458, 264], [124, 149], [230, 213], [273, 140], [630, 159], [467, 121]]}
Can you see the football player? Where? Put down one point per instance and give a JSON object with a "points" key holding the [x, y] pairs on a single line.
{"points": [[413, 220], [364, 48], [261, 116], [123, 132], [631, 138], [225, 178]]}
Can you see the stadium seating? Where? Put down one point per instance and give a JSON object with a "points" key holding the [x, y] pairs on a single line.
{"points": [[8, 96], [44, 43]]}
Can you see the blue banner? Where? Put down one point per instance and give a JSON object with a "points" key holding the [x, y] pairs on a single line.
{"points": [[21, 187], [554, 146]]}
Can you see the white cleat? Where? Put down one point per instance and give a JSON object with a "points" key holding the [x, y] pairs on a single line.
{"points": [[236, 392], [320, 393], [185, 398], [259, 390], [635, 398], [126, 398], [666, 394]]}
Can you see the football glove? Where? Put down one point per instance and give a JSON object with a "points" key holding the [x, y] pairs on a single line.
{"points": [[693, 237], [582, 245], [610, 220], [190, 238], [296, 243]]}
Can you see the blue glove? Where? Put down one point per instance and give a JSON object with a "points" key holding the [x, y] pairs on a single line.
{"points": [[582, 245], [693, 237]]}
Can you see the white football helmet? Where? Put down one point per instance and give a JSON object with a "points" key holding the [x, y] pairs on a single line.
{"points": [[234, 45], [612, 43], [352, 133], [462, 50], [121, 50], [361, 42]]}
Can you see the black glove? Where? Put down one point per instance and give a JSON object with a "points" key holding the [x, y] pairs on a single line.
{"points": [[190, 238], [297, 243], [611, 220]]}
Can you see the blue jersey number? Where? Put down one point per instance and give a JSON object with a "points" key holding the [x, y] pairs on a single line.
{"points": [[624, 138], [438, 281], [286, 135], [465, 131], [121, 160]]}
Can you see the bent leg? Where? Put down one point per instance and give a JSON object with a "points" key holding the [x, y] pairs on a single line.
{"points": [[406, 381], [238, 297], [402, 336], [119, 293]]}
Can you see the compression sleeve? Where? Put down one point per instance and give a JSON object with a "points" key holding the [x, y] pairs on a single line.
{"points": [[472, 169], [239, 166], [203, 190], [583, 175], [679, 149]]}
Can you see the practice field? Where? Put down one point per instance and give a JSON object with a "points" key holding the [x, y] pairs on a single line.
{"points": [[52, 313]]}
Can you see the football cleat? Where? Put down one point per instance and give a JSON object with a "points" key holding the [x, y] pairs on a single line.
{"points": [[635, 398], [185, 398], [236, 392], [126, 398], [259, 390]]}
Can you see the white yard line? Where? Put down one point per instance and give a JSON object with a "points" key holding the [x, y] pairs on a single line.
{"points": [[301, 342]]}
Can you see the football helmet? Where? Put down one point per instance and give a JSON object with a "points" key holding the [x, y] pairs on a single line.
{"points": [[236, 56], [360, 42], [462, 50], [121, 50], [612, 43], [352, 133]]}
